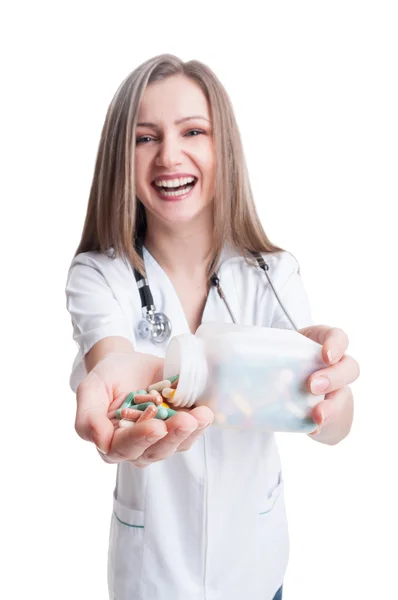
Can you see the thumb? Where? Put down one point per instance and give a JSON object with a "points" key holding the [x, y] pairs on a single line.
{"points": [[92, 423]]}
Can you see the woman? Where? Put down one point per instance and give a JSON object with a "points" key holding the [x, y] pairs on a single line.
{"points": [[207, 519]]}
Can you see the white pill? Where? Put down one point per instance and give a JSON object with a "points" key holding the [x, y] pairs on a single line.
{"points": [[168, 392], [160, 385], [126, 423]]}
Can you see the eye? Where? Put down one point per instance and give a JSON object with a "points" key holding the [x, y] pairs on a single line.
{"points": [[143, 139], [194, 132]]}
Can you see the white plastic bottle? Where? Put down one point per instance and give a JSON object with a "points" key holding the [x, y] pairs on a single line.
{"points": [[251, 377]]}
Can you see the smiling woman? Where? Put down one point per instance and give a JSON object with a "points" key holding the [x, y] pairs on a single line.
{"points": [[171, 200]]}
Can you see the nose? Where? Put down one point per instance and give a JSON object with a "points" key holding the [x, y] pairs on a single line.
{"points": [[169, 152]]}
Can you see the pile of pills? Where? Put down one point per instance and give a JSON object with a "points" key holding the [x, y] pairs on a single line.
{"points": [[147, 404]]}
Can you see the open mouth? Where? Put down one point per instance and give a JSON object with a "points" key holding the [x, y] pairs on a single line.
{"points": [[175, 187]]}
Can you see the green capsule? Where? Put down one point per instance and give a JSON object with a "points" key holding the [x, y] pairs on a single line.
{"points": [[172, 379], [128, 403], [170, 412], [163, 413], [143, 405]]}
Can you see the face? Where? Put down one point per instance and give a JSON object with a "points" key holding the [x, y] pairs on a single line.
{"points": [[174, 157]]}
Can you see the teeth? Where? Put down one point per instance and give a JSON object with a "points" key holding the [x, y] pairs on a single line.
{"points": [[177, 193], [174, 182]]}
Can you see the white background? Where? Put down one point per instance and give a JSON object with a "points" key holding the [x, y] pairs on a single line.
{"points": [[314, 86]]}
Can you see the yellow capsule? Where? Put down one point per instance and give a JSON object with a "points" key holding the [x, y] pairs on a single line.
{"points": [[168, 392], [165, 405], [242, 404]]}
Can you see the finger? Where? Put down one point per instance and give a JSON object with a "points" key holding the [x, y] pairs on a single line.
{"points": [[129, 444], [91, 421], [331, 406], [205, 418], [335, 345], [179, 427], [334, 377], [334, 341]]}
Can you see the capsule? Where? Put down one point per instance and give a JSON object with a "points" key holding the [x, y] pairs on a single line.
{"points": [[160, 385], [170, 412], [156, 397], [148, 413], [140, 398], [126, 423], [128, 402], [242, 404], [142, 406], [131, 414], [168, 392], [163, 413]]}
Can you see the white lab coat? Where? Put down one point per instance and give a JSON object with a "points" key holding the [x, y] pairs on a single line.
{"points": [[209, 523]]}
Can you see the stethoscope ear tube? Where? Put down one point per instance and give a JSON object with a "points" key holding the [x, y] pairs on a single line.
{"points": [[265, 267]]}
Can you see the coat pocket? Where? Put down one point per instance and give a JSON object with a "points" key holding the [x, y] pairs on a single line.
{"points": [[272, 550], [272, 496], [126, 546]]}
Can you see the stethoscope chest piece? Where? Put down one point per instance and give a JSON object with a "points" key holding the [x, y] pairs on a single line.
{"points": [[156, 327]]}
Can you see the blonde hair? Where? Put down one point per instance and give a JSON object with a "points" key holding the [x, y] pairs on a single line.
{"points": [[115, 218]]}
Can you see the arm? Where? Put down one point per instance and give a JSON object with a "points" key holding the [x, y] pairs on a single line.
{"points": [[149, 366], [114, 369]]}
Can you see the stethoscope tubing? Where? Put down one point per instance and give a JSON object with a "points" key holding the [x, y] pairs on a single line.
{"points": [[160, 320]]}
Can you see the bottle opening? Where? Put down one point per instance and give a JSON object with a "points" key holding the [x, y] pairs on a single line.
{"points": [[182, 359]]}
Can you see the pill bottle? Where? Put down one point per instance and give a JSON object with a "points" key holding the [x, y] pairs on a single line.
{"points": [[251, 377]]}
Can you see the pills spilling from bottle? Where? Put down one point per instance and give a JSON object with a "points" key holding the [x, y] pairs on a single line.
{"points": [[147, 404]]}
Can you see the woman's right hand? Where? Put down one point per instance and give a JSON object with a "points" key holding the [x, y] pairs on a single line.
{"points": [[104, 389]]}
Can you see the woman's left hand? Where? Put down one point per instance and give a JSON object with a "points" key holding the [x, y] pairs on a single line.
{"points": [[334, 414]]}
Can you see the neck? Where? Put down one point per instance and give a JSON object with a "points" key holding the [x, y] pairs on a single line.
{"points": [[183, 249]]}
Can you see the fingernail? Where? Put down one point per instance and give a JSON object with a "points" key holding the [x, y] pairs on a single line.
{"points": [[100, 450], [183, 431], [330, 355], [203, 425], [155, 437], [316, 431], [319, 384]]}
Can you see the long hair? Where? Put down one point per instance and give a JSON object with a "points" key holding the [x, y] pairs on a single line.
{"points": [[115, 218]]}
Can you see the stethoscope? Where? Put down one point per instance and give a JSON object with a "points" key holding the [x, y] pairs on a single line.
{"points": [[156, 326]]}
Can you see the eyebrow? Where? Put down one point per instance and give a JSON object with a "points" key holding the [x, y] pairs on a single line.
{"points": [[147, 124]]}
